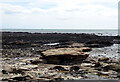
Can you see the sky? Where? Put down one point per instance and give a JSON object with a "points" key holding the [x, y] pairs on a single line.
{"points": [[59, 14]]}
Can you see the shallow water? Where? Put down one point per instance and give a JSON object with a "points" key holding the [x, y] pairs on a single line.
{"points": [[111, 51]]}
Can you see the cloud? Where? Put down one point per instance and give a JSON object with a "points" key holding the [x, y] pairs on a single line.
{"points": [[6, 1], [60, 13]]}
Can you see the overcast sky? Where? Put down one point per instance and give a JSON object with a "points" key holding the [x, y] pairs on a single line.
{"points": [[59, 14]]}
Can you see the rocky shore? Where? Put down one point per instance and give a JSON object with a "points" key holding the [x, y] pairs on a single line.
{"points": [[53, 57]]}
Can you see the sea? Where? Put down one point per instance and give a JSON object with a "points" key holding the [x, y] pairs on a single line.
{"points": [[100, 32]]}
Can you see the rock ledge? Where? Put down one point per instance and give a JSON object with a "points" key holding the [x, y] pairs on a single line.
{"points": [[66, 55]]}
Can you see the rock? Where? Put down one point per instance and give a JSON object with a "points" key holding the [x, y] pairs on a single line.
{"points": [[21, 78], [19, 43], [76, 45], [99, 69], [28, 67], [60, 68], [98, 44], [87, 61], [97, 64], [57, 79], [112, 67], [65, 55], [103, 59], [116, 41], [16, 71], [35, 45], [74, 68], [103, 73], [71, 78], [118, 75], [4, 72], [87, 64], [92, 45], [86, 49], [37, 61]]}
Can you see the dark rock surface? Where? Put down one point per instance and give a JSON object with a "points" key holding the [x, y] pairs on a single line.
{"points": [[25, 39], [23, 59]]}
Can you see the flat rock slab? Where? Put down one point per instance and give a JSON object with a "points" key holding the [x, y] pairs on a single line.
{"points": [[66, 55]]}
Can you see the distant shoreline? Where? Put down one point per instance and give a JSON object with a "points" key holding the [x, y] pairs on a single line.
{"points": [[9, 37], [100, 32]]}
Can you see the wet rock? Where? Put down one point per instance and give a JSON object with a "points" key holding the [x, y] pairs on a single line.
{"points": [[103, 59], [18, 43], [116, 41], [103, 73], [99, 69], [76, 45], [16, 71], [28, 67], [4, 72], [86, 49], [87, 61], [98, 43], [74, 68], [97, 64], [118, 75], [57, 79], [70, 77], [65, 55], [37, 61], [112, 67], [92, 45], [87, 64], [21, 78], [35, 45], [60, 68]]}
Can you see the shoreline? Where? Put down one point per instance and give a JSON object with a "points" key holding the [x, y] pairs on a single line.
{"points": [[22, 51]]}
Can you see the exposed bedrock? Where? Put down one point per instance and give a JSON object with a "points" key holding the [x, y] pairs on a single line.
{"points": [[24, 39], [98, 44], [66, 55]]}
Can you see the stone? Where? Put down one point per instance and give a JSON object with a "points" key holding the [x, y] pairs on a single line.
{"points": [[37, 61], [103, 59], [76, 45], [87, 64], [65, 55], [97, 64], [86, 49], [98, 44], [103, 73], [60, 68], [118, 75], [17, 71], [112, 67], [28, 67], [74, 68], [21, 78], [4, 72], [92, 45]]}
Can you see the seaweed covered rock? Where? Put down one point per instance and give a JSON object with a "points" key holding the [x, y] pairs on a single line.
{"points": [[98, 43], [66, 55]]}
